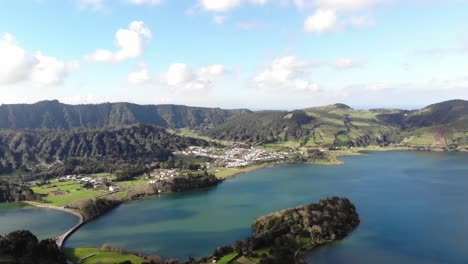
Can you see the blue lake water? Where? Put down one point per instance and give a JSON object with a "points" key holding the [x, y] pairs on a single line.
{"points": [[44, 223], [413, 208]]}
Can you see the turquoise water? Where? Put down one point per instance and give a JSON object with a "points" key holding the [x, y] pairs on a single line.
{"points": [[44, 223], [413, 208]]}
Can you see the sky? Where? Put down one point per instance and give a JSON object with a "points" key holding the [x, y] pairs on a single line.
{"points": [[256, 54]]}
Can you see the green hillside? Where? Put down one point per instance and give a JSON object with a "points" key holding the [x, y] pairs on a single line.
{"points": [[335, 125], [22, 149], [55, 115]]}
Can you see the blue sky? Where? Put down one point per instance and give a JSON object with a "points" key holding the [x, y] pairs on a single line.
{"points": [[258, 54]]}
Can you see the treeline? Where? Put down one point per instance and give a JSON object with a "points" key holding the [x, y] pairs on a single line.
{"points": [[284, 232], [278, 126], [55, 115], [69, 148], [22, 247], [194, 181], [14, 192], [262, 127], [93, 208]]}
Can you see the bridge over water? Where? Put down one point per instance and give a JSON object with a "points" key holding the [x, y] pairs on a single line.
{"points": [[60, 239]]}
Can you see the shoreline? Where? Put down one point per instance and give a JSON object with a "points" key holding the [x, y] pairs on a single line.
{"points": [[334, 159], [61, 238]]}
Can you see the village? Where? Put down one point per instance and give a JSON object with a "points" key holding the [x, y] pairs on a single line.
{"points": [[235, 156], [102, 183], [198, 162]]}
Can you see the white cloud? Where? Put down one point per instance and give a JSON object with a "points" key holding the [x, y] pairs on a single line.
{"points": [[180, 77], [288, 73], [345, 5], [130, 42], [321, 21], [226, 5], [49, 71], [139, 77], [347, 63], [259, 2], [17, 65], [219, 19], [219, 5], [144, 2]]}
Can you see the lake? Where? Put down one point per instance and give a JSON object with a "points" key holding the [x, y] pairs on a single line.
{"points": [[43, 222], [413, 208]]}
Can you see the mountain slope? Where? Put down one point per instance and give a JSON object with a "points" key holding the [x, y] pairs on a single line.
{"points": [[55, 115], [442, 125], [32, 147], [335, 125]]}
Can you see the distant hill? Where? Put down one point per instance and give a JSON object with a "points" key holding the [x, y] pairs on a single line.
{"points": [[55, 115], [442, 125], [334, 125]]}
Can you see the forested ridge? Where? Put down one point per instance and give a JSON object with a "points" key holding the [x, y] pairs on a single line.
{"points": [[22, 149], [55, 115]]}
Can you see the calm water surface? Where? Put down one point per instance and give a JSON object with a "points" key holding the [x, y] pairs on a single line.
{"points": [[44, 223], [413, 208]]}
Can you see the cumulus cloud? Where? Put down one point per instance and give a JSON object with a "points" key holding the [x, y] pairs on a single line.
{"points": [[226, 5], [219, 5], [180, 77], [347, 63], [130, 43], [139, 77], [345, 5], [287, 72], [17, 65], [321, 21]]}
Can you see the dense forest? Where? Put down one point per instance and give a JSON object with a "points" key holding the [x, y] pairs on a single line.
{"points": [[289, 231], [314, 128], [55, 115], [93, 208], [25, 149], [22, 247], [14, 192]]}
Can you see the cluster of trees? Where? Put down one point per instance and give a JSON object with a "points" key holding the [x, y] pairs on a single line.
{"points": [[93, 208], [185, 163], [22, 247], [14, 192], [72, 148], [283, 232], [261, 127], [194, 181]]}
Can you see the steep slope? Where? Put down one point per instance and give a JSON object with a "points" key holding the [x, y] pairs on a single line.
{"points": [[32, 147], [55, 115], [442, 125], [261, 127], [334, 125]]}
